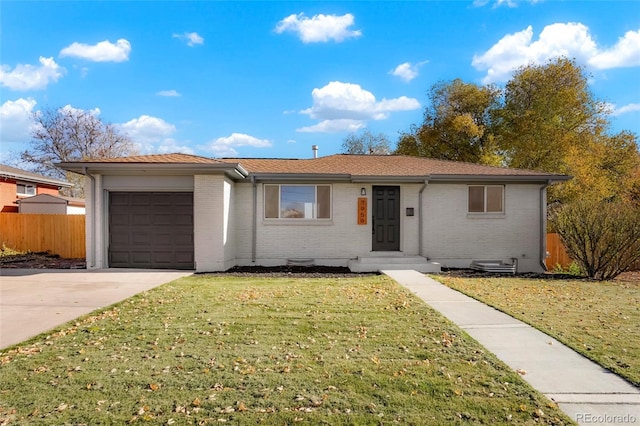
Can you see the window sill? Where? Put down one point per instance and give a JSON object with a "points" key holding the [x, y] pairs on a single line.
{"points": [[486, 215], [298, 222]]}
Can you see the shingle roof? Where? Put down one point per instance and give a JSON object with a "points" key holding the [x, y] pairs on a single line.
{"points": [[174, 158], [375, 165], [383, 166], [19, 174]]}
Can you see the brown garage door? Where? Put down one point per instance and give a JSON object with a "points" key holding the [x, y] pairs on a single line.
{"points": [[151, 230]]}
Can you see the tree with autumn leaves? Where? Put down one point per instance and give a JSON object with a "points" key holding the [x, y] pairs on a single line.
{"points": [[547, 119]]}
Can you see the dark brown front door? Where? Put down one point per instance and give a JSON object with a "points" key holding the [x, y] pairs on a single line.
{"points": [[386, 218], [151, 230]]}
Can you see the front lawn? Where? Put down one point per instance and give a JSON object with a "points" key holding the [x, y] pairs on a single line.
{"points": [[246, 350], [600, 320]]}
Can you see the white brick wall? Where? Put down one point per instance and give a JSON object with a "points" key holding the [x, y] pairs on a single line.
{"points": [[454, 238], [332, 242], [229, 219], [209, 223]]}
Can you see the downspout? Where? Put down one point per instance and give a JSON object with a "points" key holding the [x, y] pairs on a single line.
{"points": [[420, 226], [543, 224], [92, 224], [254, 226]]}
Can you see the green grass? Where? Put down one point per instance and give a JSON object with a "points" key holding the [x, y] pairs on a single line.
{"points": [[210, 349], [600, 320]]}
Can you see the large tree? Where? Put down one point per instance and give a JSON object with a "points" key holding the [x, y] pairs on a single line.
{"points": [[456, 125], [70, 134], [551, 121], [546, 118], [366, 143], [548, 109]]}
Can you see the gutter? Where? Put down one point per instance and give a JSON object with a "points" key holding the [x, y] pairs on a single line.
{"points": [[92, 224], [254, 225], [543, 224], [420, 214]]}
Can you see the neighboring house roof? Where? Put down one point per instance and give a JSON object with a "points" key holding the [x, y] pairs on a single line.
{"points": [[358, 168], [23, 175], [43, 199]]}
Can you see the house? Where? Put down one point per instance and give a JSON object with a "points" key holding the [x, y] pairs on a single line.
{"points": [[17, 185], [367, 212]]}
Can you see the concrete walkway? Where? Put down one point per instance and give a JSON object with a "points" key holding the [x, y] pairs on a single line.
{"points": [[588, 393], [33, 301]]}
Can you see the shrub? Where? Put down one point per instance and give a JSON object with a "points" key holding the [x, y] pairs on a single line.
{"points": [[572, 269], [603, 237]]}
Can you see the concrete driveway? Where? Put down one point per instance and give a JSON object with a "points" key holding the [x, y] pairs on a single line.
{"points": [[33, 301]]}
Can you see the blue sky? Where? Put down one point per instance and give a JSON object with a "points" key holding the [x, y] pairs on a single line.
{"points": [[271, 79]]}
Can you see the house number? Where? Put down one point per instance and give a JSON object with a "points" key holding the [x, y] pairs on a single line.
{"points": [[362, 211]]}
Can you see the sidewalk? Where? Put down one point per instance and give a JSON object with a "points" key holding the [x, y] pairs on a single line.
{"points": [[586, 392]]}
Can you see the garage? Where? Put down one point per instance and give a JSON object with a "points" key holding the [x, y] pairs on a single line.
{"points": [[151, 230]]}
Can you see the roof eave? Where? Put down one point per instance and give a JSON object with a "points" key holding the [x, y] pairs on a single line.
{"points": [[500, 178], [235, 171], [44, 180], [301, 177]]}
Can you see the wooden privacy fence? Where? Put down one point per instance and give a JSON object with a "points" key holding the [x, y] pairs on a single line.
{"points": [[557, 253], [54, 233]]}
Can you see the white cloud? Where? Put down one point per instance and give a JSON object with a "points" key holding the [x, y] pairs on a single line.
{"points": [[571, 39], [498, 3], [407, 71], [104, 51], [624, 109], [346, 106], [225, 147], [191, 38], [319, 28], [625, 53], [68, 108], [333, 126], [169, 93], [30, 77], [166, 146], [16, 120], [151, 135], [147, 129]]}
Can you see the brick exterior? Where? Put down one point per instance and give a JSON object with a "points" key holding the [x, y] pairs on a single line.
{"points": [[332, 242], [453, 238], [9, 194], [214, 220]]}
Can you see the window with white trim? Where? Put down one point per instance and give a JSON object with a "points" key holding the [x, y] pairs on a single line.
{"points": [[23, 188], [486, 199], [297, 201]]}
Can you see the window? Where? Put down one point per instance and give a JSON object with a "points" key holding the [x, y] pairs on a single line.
{"points": [[297, 201], [486, 199], [25, 189]]}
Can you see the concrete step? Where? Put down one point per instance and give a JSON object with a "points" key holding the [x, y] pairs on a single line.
{"points": [[392, 259]]}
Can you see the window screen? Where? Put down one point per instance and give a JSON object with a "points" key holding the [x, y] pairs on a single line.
{"points": [[486, 199]]}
